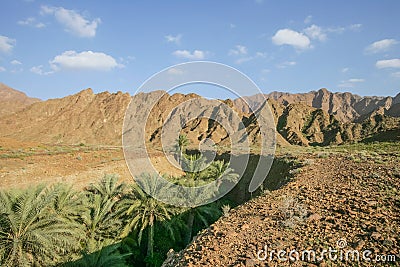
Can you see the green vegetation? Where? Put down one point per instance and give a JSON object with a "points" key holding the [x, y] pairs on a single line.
{"points": [[34, 230], [108, 223], [180, 147]]}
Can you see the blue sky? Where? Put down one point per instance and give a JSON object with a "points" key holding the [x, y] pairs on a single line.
{"points": [[51, 49]]}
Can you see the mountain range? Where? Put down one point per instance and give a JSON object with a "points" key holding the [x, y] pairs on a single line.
{"points": [[314, 118]]}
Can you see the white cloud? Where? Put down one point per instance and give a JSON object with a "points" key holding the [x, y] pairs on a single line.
{"points": [[40, 25], [388, 63], [39, 70], [16, 62], [72, 21], [293, 38], [126, 60], [396, 74], [31, 21], [2, 69], [350, 82], [86, 60], [356, 80], [27, 21], [261, 54], [286, 64], [344, 70], [345, 85], [196, 55], [174, 39], [232, 26], [249, 58], [315, 32], [175, 71], [243, 59], [239, 50], [6, 44], [355, 27], [308, 19], [352, 27], [242, 52], [381, 46]]}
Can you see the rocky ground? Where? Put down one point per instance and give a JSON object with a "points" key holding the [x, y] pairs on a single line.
{"points": [[335, 201]]}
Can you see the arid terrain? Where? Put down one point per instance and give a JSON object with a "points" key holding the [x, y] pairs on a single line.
{"points": [[23, 164], [346, 198], [78, 138], [339, 188]]}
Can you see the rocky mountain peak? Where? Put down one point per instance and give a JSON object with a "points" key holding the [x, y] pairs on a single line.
{"points": [[396, 99], [12, 100]]}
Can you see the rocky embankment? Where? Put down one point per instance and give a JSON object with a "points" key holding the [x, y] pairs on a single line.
{"points": [[335, 202]]}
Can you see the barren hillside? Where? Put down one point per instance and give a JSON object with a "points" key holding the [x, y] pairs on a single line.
{"points": [[12, 100], [300, 119]]}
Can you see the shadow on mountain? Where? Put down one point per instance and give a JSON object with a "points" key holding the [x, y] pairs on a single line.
{"points": [[387, 136]]}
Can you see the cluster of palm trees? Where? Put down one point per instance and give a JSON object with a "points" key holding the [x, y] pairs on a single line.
{"points": [[107, 224]]}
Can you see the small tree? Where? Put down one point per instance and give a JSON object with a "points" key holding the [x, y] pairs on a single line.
{"points": [[181, 143], [193, 165], [145, 211], [103, 217]]}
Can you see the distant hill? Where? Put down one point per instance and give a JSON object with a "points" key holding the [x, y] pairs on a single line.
{"points": [[12, 100], [345, 107], [84, 117], [314, 118]]}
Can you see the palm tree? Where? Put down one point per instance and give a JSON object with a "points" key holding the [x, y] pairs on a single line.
{"points": [[101, 221], [195, 194], [103, 218], [108, 187], [198, 176], [30, 232], [203, 215], [181, 143], [193, 165], [108, 256], [145, 210], [68, 203], [220, 170]]}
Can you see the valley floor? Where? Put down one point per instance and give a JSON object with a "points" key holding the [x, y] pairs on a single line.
{"points": [[23, 164]]}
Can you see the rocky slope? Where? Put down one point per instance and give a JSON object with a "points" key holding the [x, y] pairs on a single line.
{"points": [[12, 101], [84, 117], [336, 202]]}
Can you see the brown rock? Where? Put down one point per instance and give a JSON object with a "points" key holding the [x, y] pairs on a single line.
{"points": [[314, 217]]}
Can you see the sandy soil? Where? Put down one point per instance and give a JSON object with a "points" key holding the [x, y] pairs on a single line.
{"points": [[23, 164]]}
